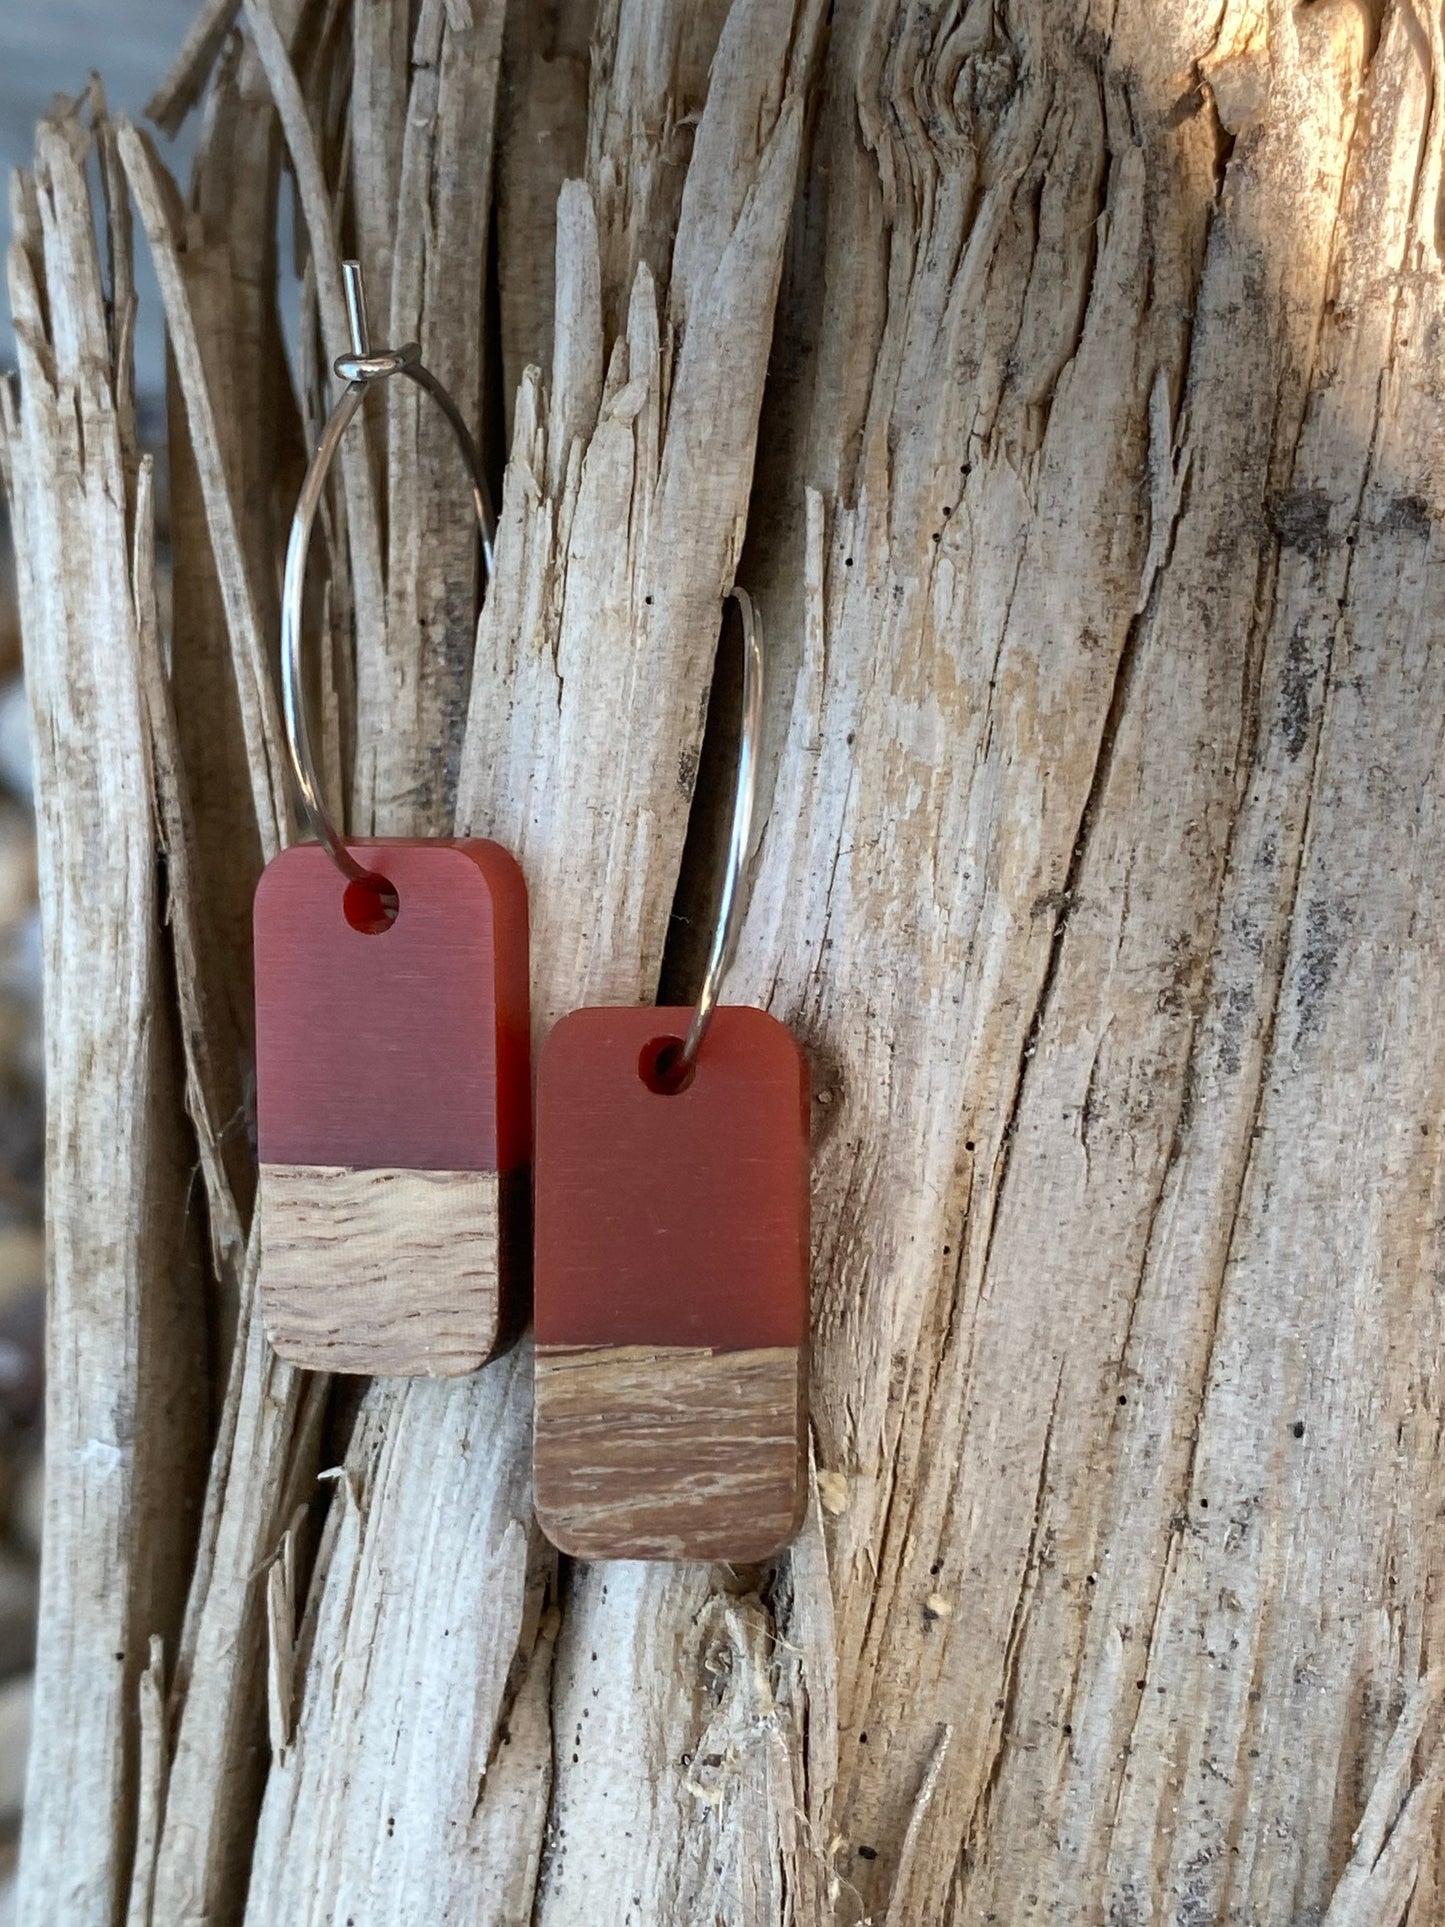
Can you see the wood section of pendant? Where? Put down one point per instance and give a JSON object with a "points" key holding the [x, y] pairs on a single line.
{"points": [[671, 1289], [393, 1107]]}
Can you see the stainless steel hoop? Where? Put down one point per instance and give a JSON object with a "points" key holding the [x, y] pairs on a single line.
{"points": [[359, 370], [729, 910]]}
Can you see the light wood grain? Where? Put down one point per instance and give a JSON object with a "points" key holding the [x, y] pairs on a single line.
{"points": [[125, 1348], [218, 256], [1097, 539], [608, 585], [670, 1451], [391, 1273]]}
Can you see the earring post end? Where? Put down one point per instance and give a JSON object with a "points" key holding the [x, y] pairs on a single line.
{"points": [[355, 290]]}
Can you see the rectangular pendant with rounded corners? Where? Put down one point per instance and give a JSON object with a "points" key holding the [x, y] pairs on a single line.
{"points": [[671, 1289], [393, 1107]]}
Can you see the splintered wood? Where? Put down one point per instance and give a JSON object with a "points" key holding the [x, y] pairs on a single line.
{"points": [[1064, 385], [670, 1279]]}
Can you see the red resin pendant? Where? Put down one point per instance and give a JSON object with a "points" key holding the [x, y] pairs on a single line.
{"points": [[671, 1288], [392, 1106]]}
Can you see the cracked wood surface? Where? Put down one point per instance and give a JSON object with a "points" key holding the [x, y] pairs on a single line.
{"points": [[1062, 381], [669, 1451]]}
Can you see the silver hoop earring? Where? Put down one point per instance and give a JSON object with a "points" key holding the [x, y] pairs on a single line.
{"points": [[393, 1102], [360, 370], [671, 1264]]}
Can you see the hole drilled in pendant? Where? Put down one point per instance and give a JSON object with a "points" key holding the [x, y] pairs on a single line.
{"points": [[658, 1067], [370, 904]]}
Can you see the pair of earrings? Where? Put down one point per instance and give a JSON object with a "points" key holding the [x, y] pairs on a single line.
{"points": [[662, 1229]]}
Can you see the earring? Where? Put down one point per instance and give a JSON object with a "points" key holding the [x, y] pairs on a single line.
{"points": [[392, 1041], [671, 1262]]}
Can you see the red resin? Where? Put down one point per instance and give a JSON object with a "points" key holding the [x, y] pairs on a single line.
{"points": [[671, 1220], [404, 1049]]}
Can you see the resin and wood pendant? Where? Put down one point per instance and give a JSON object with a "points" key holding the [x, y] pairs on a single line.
{"points": [[671, 1288], [393, 1106]]}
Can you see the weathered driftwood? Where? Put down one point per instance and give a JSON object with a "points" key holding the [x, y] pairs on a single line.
{"points": [[126, 1340], [1065, 390]]}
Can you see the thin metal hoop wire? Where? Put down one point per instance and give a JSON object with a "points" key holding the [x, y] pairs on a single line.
{"points": [[729, 910], [359, 370]]}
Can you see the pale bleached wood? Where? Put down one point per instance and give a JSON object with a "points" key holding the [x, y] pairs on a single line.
{"points": [[263, 1464], [599, 824], [270, 1414], [1096, 541], [227, 256], [587, 623], [221, 606], [392, 1273], [204, 1082], [629, 656], [267, 23], [381, 41], [125, 1351], [1064, 1374], [266, 1442], [650, 81], [150, 1798], [189, 1820], [183, 85], [265, 1452], [281, 1639], [260, 710], [541, 144], [441, 1823], [669, 1451], [269, 1422], [207, 1810], [1389, 1866]]}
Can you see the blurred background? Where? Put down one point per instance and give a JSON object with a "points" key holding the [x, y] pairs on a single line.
{"points": [[44, 50]]}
